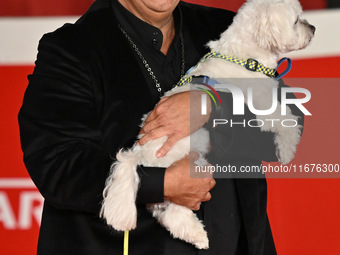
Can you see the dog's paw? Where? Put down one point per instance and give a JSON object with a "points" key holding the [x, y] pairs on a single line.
{"points": [[122, 217], [284, 157], [200, 239], [193, 233], [286, 144], [183, 224]]}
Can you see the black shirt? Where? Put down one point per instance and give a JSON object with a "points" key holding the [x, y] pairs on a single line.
{"points": [[149, 39]]}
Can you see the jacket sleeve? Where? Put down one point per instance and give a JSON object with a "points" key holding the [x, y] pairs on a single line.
{"points": [[60, 134]]}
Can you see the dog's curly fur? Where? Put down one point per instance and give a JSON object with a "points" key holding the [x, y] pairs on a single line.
{"points": [[262, 30]]}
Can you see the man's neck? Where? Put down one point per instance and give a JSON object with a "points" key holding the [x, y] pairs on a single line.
{"points": [[163, 20], [168, 32]]}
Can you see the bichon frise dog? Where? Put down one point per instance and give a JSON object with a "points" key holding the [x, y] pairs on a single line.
{"points": [[262, 30]]}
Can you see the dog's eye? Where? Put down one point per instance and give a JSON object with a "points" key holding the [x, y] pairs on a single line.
{"points": [[297, 20]]}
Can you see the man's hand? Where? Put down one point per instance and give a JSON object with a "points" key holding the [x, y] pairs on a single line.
{"points": [[180, 189], [176, 116]]}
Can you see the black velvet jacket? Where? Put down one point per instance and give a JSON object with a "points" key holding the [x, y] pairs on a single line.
{"points": [[84, 102]]}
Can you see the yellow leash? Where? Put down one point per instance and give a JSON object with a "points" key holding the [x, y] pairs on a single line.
{"points": [[126, 243]]}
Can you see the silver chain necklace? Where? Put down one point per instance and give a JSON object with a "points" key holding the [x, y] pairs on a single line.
{"points": [[145, 63]]}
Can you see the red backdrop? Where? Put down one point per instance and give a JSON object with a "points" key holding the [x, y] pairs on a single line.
{"points": [[304, 213]]}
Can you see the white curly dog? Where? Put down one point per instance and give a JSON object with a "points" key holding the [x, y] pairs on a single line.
{"points": [[262, 30]]}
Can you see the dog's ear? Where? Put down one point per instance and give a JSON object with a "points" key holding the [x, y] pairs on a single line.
{"points": [[214, 45], [269, 26]]}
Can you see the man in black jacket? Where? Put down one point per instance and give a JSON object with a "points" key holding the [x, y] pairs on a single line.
{"points": [[92, 83]]}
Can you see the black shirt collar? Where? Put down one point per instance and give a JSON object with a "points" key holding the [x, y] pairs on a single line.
{"points": [[141, 31]]}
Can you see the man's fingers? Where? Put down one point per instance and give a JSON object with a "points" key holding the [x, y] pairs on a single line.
{"points": [[166, 146], [150, 117], [207, 184], [193, 156], [152, 135], [207, 197], [153, 120], [149, 126], [155, 113], [196, 207], [163, 100], [212, 183]]}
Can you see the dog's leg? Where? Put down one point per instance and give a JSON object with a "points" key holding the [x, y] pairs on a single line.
{"points": [[182, 223], [120, 191], [286, 138]]}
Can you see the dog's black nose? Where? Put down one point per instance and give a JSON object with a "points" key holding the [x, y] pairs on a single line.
{"points": [[312, 28]]}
